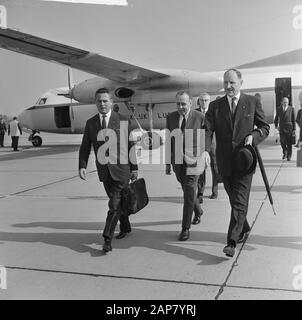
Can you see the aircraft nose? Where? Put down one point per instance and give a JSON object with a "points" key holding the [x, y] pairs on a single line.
{"points": [[24, 119]]}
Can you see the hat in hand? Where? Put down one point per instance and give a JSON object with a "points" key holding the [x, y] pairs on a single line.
{"points": [[245, 160]]}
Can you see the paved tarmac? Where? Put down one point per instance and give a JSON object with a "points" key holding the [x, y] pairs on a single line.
{"points": [[51, 221]]}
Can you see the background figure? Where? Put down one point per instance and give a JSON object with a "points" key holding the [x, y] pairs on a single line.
{"points": [[185, 118], [114, 175], [2, 132], [258, 96], [15, 131], [285, 123], [298, 121], [233, 119], [203, 102]]}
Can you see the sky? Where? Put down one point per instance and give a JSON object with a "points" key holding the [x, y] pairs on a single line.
{"points": [[198, 35]]}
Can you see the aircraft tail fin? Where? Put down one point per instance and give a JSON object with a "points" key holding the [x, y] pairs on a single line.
{"points": [[290, 57]]}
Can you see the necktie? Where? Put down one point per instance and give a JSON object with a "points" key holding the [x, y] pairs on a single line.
{"points": [[104, 122], [183, 124], [233, 105]]}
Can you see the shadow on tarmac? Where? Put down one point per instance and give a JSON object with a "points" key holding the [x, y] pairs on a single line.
{"points": [[157, 240], [31, 152]]}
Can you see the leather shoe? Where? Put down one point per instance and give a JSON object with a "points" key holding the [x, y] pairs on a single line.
{"points": [[107, 246], [288, 158], [122, 235], [196, 220], [243, 237], [184, 235], [229, 250], [213, 196]]}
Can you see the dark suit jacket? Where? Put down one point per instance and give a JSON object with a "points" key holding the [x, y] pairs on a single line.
{"points": [[229, 135], [195, 121], [118, 171], [286, 120], [213, 145], [299, 117]]}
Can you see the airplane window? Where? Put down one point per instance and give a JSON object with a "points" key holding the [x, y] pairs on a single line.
{"points": [[42, 101]]}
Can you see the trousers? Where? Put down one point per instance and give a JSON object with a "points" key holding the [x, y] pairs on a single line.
{"points": [[113, 189], [238, 189]]}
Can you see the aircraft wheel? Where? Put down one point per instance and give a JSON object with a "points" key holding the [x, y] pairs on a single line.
{"points": [[37, 141], [150, 140]]}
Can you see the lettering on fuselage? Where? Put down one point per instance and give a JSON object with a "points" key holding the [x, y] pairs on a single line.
{"points": [[142, 116]]}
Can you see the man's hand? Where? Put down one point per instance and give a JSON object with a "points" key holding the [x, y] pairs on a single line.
{"points": [[207, 159], [248, 140], [134, 175], [82, 173]]}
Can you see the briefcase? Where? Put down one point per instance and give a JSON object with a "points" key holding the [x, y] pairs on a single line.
{"points": [[134, 197], [293, 138]]}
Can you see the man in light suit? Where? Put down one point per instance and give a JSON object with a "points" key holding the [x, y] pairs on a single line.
{"points": [[233, 119], [116, 160], [286, 124], [203, 102], [15, 131], [187, 122]]}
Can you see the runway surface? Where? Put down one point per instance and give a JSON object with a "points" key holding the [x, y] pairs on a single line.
{"points": [[51, 224]]}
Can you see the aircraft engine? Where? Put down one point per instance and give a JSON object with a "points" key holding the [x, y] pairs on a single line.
{"points": [[124, 93]]}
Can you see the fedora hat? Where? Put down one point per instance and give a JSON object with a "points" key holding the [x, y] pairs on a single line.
{"points": [[245, 160]]}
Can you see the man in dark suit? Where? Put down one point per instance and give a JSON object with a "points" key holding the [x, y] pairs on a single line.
{"points": [[203, 102], [116, 160], [233, 119], [186, 157], [286, 124], [299, 120]]}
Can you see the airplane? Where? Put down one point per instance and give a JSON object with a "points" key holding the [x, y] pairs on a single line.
{"points": [[146, 96]]}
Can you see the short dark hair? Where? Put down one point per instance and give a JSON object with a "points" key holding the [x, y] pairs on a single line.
{"points": [[103, 90], [239, 75], [182, 92]]}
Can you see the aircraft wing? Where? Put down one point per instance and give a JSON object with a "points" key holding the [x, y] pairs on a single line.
{"points": [[75, 58], [287, 58]]}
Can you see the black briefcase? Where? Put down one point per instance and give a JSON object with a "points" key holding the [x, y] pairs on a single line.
{"points": [[293, 138], [134, 196]]}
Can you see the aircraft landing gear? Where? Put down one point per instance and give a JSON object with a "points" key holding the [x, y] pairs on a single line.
{"points": [[35, 139]]}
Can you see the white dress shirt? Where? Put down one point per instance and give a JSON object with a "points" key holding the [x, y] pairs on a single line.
{"points": [[181, 118], [236, 101], [106, 118]]}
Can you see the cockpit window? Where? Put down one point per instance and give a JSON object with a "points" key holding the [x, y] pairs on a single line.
{"points": [[42, 101]]}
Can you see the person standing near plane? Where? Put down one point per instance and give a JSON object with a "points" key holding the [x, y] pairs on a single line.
{"points": [[116, 173], [15, 131], [299, 121], [2, 132], [188, 121], [285, 123], [203, 102], [233, 118]]}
